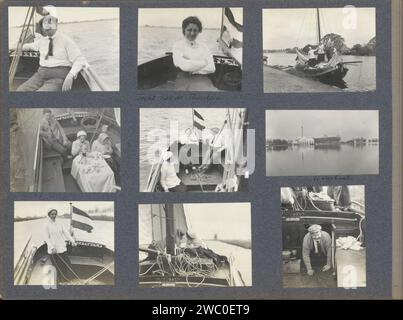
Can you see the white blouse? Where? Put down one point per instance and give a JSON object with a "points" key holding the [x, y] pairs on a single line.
{"points": [[194, 57]]}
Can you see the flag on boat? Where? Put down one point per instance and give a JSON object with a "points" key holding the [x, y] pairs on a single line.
{"points": [[198, 120], [81, 220], [231, 33]]}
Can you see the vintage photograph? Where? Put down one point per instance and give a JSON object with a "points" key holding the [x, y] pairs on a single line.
{"points": [[319, 49], [195, 150], [322, 142], [195, 245], [190, 49], [323, 236], [65, 150], [63, 48], [64, 243]]}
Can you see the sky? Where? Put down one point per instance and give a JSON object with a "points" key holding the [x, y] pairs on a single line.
{"points": [[210, 17], [286, 124], [227, 220], [288, 28], [40, 208], [16, 15]]}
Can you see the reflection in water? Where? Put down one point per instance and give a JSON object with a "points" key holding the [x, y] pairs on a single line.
{"points": [[338, 159]]}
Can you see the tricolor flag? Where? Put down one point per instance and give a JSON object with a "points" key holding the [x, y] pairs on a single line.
{"points": [[232, 30], [81, 220], [198, 120]]}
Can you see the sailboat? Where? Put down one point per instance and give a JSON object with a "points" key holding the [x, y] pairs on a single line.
{"points": [[204, 174], [167, 264], [43, 170], [92, 261], [23, 64], [332, 71], [160, 73]]}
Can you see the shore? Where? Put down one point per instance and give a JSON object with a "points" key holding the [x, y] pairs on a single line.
{"points": [[278, 81]]}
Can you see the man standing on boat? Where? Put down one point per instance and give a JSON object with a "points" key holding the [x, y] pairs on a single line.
{"points": [[169, 179], [60, 58], [317, 250], [56, 236], [321, 52]]}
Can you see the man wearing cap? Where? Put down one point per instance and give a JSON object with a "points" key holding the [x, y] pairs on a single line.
{"points": [[80, 146], [317, 249], [169, 179], [60, 58], [56, 236], [53, 135]]}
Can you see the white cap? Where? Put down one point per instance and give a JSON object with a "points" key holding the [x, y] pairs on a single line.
{"points": [[51, 10], [166, 155], [81, 133]]}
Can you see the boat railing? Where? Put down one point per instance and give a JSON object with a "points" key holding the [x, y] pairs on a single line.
{"points": [[24, 262], [93, 80], [38, 163]]}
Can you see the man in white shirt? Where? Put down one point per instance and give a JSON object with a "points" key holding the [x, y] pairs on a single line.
{"points": [[60, 59], [56, 236], [312, 57]]}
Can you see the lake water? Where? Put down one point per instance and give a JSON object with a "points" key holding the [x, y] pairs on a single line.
{"points": [[346, 160], [360, 77], [156, 118], [154, 42], [103, 233], [99, 43]]}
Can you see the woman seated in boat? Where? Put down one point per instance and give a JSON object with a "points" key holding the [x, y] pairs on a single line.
{"points": [[81, 146], [103, 145], [311, 57], [169, 179], [192, 57], [321, 52], [53, 135]]}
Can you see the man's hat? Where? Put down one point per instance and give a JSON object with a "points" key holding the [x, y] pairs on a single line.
{"points": [[51, 11], [314, 228]]}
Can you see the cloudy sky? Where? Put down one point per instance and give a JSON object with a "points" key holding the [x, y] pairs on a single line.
{"points": [[227, 220], [16, 15], [40, 208], [210, 17], [287, 28], [286, 124]]}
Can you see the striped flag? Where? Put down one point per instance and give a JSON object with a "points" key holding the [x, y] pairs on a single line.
{"points": [[198, 120], [232, 30], [81, 220]]}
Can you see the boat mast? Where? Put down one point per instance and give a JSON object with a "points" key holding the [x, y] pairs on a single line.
{"points": [[318, 22]]}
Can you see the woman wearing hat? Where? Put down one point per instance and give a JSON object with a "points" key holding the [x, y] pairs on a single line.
{"points": [[103, 145], [80, 146], [169, 179], [56, 236]]}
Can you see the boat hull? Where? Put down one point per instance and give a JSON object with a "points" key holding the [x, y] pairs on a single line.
{"points": [[157, 73]]}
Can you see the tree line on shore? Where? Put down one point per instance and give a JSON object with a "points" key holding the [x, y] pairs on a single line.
{"points": [[333, 40]]}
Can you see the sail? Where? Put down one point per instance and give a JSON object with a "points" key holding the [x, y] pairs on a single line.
{"points": [[24, 124], [162, 224], [232, 34]]}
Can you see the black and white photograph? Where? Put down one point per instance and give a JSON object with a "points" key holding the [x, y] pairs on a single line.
{"points": [[65, 150], [322, 142], [190, 49], [64, 243], [195, 150], [319, 49], [63, 48], [195, 245], [323, 236]]}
